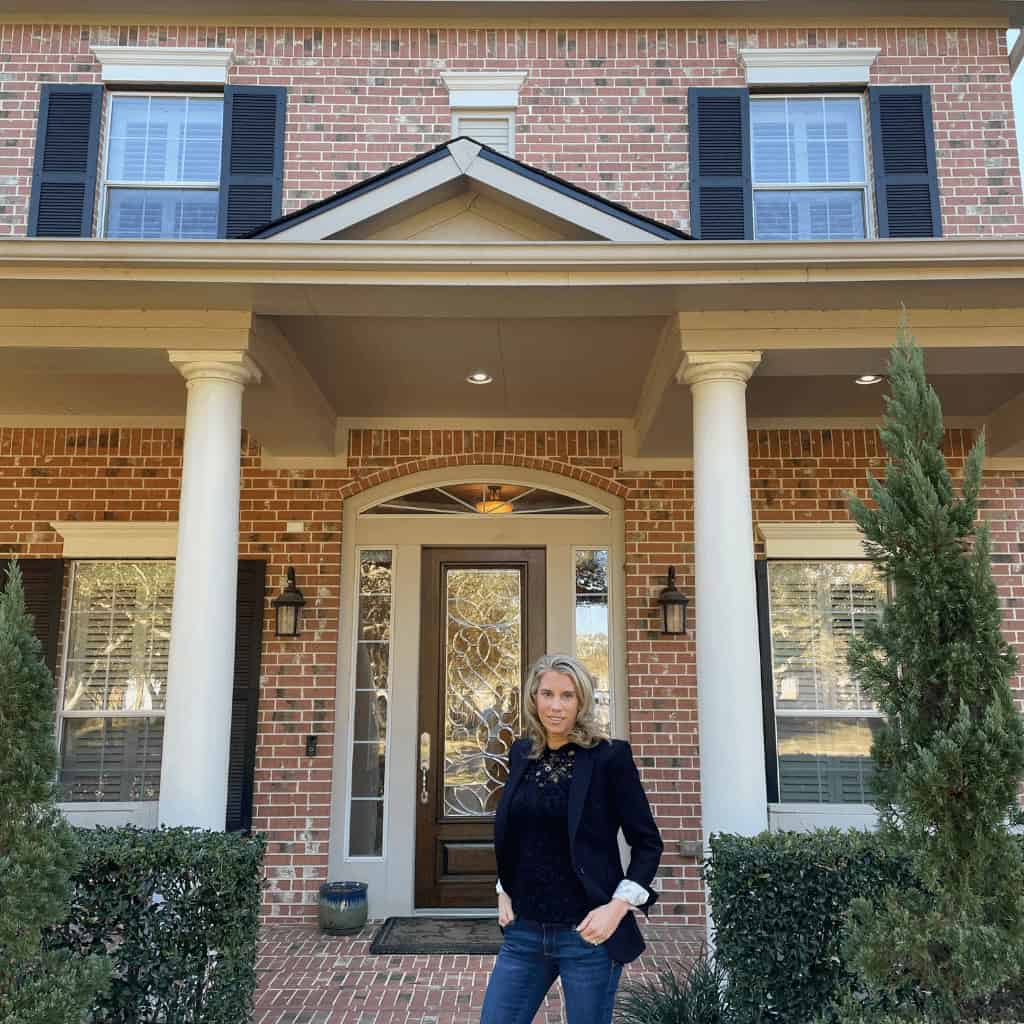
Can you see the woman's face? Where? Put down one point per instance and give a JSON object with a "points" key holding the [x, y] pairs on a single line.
{"points": [[557, 704]]}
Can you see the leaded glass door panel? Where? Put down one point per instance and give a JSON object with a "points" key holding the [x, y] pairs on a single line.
{"points": [[484, 621]]}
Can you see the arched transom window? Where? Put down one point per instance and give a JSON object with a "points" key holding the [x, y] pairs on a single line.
{"points": [[482, 499]]}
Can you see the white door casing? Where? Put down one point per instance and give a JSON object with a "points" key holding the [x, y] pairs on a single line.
{"points": [[390, 877]]}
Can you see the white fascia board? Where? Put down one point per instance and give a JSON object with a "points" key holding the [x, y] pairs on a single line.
{"points": [[565, 207], [331, 221], [850, 65], [163, 65], [492, 89]]}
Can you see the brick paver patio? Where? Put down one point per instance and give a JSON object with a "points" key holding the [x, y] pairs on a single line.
{"points": [[305, 977]]}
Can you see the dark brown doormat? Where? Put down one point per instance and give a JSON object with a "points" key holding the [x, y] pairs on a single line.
{"points": [[479, 935]]}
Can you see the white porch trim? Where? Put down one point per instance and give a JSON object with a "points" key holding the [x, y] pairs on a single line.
{"points": [[117, 540], [812, 540]]}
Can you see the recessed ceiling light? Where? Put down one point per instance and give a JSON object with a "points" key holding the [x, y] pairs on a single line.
{"points": [[479, 377], [869, 378]]}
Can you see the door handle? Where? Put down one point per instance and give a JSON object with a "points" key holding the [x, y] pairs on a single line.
{"points": [[424, 766]]}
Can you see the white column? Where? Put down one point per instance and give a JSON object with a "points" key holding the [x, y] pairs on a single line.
{"points": [[732, 778], [197, 726]]}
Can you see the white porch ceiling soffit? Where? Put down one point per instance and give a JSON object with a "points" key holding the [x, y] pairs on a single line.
{"points": [[466, 163]]}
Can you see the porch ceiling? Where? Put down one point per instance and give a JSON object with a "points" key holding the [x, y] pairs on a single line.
{"points": [[582, 332], [551, 368]]}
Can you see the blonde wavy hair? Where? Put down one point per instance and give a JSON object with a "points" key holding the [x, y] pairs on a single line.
{"points": [[588, 730]]}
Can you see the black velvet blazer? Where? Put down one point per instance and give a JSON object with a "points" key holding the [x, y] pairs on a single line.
{"points": [[605, 795]]}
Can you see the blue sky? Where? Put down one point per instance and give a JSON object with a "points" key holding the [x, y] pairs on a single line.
{"points": [[1018, 101]]}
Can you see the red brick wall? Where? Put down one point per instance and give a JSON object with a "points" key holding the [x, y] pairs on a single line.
{"points": [[133, 475], [603, 108]]}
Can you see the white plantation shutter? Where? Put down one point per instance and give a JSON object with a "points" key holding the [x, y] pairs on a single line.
{"points": [[823, 722], [494, 130]]}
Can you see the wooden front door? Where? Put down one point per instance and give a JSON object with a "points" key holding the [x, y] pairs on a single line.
{"points": [[484, 622]]}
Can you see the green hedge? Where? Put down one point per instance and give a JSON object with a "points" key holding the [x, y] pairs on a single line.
{"points": [[778, 901], [177, 911]]}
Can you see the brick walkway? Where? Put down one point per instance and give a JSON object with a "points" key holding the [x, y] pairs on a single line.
{"points": [[304, 977]]}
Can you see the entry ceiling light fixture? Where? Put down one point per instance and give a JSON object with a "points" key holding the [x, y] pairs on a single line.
{"points": [[870, 378], [479, 377], [491, 503]]}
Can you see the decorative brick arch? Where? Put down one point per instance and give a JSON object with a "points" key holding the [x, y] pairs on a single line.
{"points": [[583, 476]]}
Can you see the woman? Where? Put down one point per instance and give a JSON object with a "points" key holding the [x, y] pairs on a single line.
{"points": [[563, 903]]}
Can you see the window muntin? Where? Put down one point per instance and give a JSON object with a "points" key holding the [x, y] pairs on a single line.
{"points": [[115, 680], [476, 499], [824, 724], [591, 623], [162, 166], [374, 612], [809, 167]]}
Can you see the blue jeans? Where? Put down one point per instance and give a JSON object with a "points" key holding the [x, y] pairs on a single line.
{"points": [[531, 957]]}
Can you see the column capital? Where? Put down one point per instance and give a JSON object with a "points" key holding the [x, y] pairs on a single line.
{"points": [[698, 367], [228, 365]]}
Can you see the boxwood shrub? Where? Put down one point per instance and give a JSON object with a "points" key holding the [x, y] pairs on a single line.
{"points": [[778, 901], [177, 911]]}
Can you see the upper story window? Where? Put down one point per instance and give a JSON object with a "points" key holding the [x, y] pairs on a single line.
{"points": [[163, 166], [148, 163], [809, 168]]}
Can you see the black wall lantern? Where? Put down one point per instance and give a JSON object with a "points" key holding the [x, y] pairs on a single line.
{"points": [[287, 606], [673, 607]]}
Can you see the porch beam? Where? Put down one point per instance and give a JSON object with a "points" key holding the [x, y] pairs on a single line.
{"points": [[291, 416], [106, 328], [1004, 430], [661, 375]]}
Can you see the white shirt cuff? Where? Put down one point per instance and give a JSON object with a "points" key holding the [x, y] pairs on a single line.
{"points": [[633, 893]]}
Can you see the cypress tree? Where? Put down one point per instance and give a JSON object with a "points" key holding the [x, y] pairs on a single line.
{"points": [[950, 756], [37, 846]]}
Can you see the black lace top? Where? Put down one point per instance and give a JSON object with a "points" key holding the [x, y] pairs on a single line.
{"points": [[545, 887]]}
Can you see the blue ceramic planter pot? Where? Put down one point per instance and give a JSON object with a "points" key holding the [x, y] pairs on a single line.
{"points": [[342, 907]]}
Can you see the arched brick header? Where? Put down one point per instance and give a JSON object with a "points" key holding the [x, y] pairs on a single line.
{"points": [[583, 476]]}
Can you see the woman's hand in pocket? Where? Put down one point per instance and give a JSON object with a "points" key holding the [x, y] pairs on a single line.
{"points": [[505, 915]]}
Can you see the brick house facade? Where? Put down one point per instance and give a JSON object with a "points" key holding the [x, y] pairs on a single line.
{"points": [[604, 109]]}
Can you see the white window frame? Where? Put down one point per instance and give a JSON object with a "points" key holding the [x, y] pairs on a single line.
{"points": [[388, 744], [837, 714], [866, 188], [106, 186], [96, 809]]}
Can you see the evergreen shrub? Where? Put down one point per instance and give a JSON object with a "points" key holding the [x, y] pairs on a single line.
{"points": [[38, 851], [779, 902], [177, 911]]}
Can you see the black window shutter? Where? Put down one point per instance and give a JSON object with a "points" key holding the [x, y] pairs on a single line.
{"points": [[906, 180], [252, 158], [721, 199], [764, 636], [64, 174], [43, 579], [245, 694]]}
